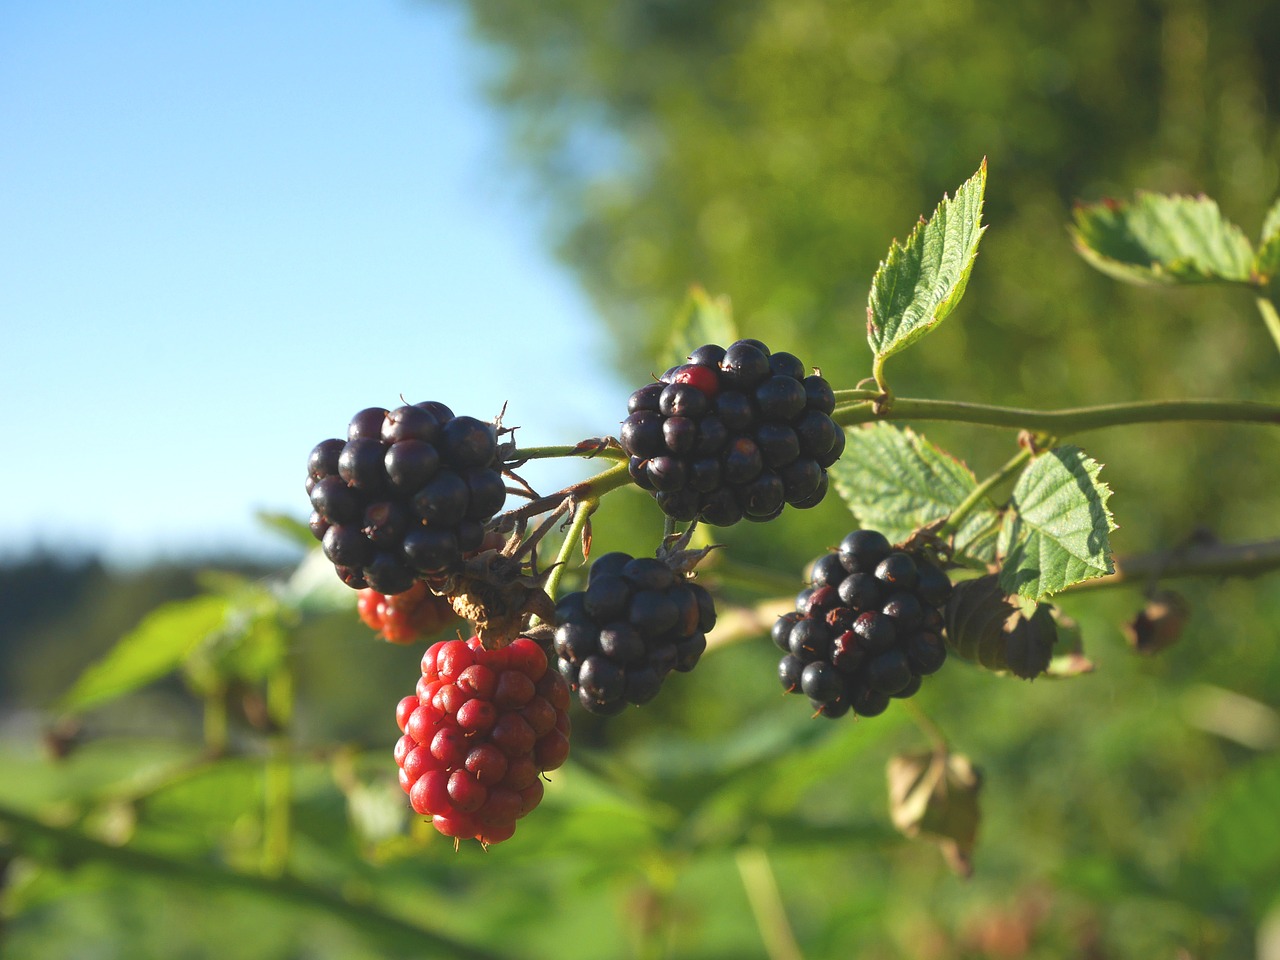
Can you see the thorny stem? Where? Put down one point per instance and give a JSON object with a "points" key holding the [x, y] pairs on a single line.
{"points": [[1201, 560], [584, 450], [1062, 422], [592, 488], [979, 493], [766, 904]]}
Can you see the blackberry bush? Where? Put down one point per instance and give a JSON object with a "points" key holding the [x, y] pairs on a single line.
{"points": [[481, 729], [735, 432], [405, 496], [637, 620], [868, 628]]}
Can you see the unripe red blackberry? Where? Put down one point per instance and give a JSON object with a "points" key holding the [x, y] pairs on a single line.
{"points": [[736, 433], [868, 628], [405, 617], [636, 621], [482, 729], [405, 496]]}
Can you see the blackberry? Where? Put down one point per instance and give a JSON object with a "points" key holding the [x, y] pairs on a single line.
{"points": [[736, 433], [867, 630], [482, 728], [636, 621], [405, 496]]}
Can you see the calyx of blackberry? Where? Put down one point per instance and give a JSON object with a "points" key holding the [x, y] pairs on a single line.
{"points": [[867, 630], [737, 432]]}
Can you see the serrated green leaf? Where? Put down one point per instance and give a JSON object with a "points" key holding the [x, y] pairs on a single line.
{"points": [[1162, 239], [1058, 532], [158, 644], [921, 281], [702, 319], [895, 481]]}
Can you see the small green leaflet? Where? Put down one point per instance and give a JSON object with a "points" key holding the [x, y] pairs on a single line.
{"points": [[895, 481], [155, 647], [1058, 532], [290, 528], [701, 320], [1162, 239], [921, 281]]}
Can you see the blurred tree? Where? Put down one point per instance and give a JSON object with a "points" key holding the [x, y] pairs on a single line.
{"points": [[768, 150]]}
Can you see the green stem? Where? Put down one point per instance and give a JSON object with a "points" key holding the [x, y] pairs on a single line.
{"points": [[215, 721], [850, 396], [1271, 317], [1063, 422], [766, 904], [582, 513], [70, 846], [979, 493], [1204, 560], [278, 784], [930, 729], [586, 451]]}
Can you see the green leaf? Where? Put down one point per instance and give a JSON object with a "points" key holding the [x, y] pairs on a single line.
{"points": [[1266, 265], [154, 648], [1058, 532], [1162, 239], [895, 481], [701, 320], [290, 528], [1271, 222], [921, 281]]}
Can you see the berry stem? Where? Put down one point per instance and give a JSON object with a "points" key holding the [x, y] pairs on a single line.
{"points": [[979, 493], [927, 726], [1063, 422], [581, 514], [1195, 560], [593, 488], [1271, 317], [588, 449]]}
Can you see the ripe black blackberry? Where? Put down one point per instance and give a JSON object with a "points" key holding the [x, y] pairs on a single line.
{"points": [[867, 629], [637, 620], [733, 433], [405, 495]]}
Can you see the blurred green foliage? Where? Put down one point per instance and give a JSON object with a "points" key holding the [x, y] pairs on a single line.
{"points": [[767, 149]]}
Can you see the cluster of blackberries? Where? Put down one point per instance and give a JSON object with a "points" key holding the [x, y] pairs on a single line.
{"points": [[733, 433], [405, 495], [482, 728], [405, 617], [636, 621], [867, 630]]}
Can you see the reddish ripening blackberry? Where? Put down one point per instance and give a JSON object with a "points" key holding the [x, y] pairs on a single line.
{"points": [[867, 630], [480, 731], [405, 495], [636, 621], [733, 433], [405, 617]]}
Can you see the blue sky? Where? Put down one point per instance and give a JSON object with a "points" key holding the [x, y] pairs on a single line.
{"points": [[227, 228]]}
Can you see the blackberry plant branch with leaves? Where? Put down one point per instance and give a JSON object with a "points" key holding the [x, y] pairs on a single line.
{"points": [[426, 525]]}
